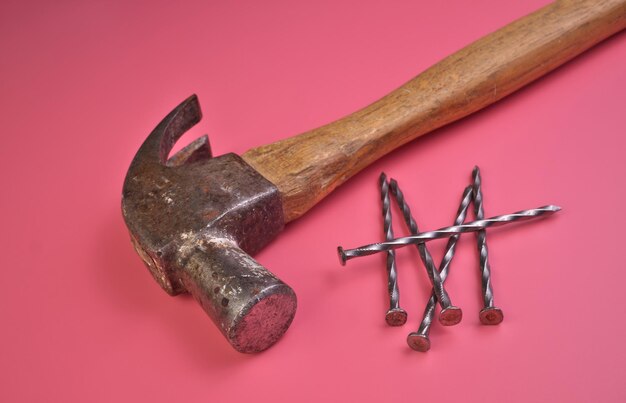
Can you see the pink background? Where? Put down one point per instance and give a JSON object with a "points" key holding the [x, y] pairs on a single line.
{"points": [[83, 83]]}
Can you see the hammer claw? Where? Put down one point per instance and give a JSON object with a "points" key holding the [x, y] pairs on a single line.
{"points": [[159, 143]]}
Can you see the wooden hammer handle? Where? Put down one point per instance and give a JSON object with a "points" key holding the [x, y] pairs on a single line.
{"points": [[307, 167]]}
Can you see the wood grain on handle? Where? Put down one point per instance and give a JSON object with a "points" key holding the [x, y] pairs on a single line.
{"points": [[307, 167]]}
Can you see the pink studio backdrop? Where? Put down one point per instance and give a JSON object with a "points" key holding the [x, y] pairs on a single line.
{"points": [[83, 83]]}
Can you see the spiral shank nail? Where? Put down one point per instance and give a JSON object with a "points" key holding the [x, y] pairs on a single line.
{"points": [[485, 268], [426, 257], [447, 232], [427, 318], [429, 311], [451, 246], [392, 284]]}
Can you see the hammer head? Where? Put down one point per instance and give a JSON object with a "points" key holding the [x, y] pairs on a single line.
{"points": [[194, 220]]}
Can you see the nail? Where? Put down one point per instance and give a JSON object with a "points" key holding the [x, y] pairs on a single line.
{"points": [[419, 340], [395, 316], [445, 232], [489, 315], [450, 315]]}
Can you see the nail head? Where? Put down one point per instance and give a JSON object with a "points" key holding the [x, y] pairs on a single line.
{"points": [[450, 316], [418, 342], [396, 317], [491, 316]]}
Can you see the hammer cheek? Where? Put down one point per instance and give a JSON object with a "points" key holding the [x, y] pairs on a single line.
{"points": [[156, 270]]}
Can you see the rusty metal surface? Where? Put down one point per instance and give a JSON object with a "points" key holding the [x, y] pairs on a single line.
{"points": [[194, 220]]}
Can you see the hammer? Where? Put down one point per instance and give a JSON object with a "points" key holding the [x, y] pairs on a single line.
{"points": [[195, 219]]}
